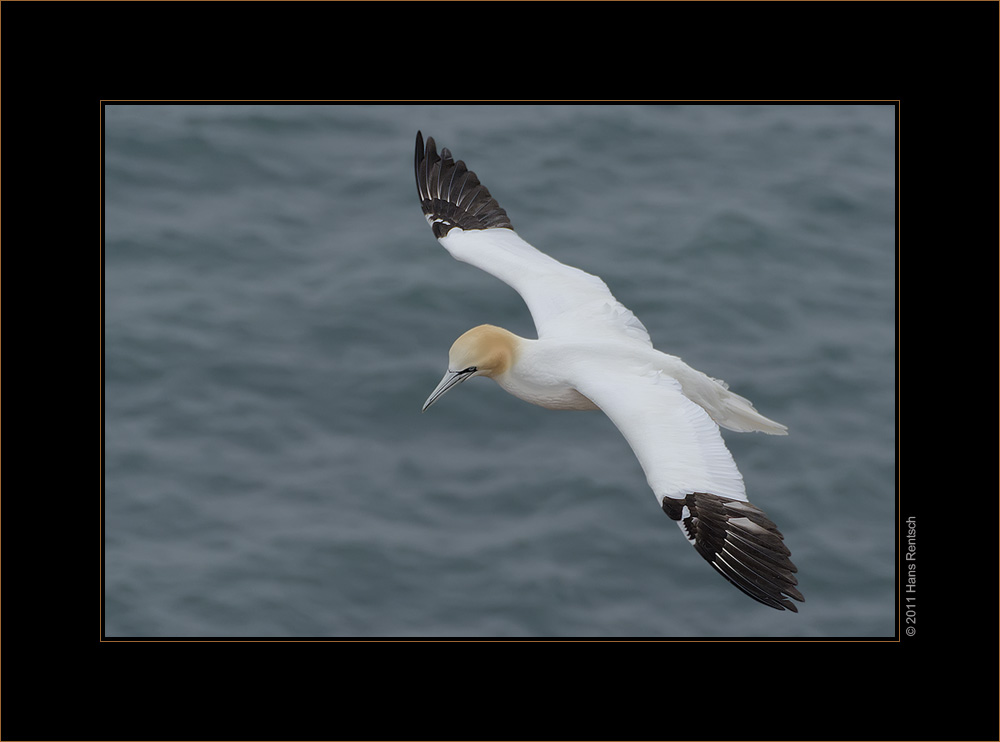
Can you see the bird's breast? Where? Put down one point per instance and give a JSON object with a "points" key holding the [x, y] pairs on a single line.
{"points": [[543, 388], [550, 396]]}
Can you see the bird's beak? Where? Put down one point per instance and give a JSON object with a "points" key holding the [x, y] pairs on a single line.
{"points": [[451, 379]]}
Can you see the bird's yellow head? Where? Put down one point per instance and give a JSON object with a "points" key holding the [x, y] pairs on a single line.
{"points": [[482, 351]]}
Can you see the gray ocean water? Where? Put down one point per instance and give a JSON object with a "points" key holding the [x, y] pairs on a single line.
{"points": [[277, 311]]}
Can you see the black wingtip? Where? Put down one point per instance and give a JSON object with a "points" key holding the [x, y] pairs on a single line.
{"points": [[451, 194], [741, 543], [416, 155]]}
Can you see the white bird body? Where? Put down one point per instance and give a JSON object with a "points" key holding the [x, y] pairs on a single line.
{"points": [[593, 353], [573, 308]]}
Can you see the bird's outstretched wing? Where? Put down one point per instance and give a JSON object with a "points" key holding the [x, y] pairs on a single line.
{"points": [[695, 479], [472, 226]]}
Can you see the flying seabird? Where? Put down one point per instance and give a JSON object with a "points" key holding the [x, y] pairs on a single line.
{"points": [[594, 354]]}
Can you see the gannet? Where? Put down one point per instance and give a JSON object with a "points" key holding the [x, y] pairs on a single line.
{"points": [[594, 354]]}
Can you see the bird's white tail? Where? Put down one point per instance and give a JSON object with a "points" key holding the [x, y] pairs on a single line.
{"points": [[734, 412], [728, 409]]}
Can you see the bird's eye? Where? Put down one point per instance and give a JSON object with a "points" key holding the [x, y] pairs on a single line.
{"points": [[469, 370]]}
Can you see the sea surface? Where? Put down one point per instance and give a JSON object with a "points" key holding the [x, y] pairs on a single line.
{"points": [[277, 311]]}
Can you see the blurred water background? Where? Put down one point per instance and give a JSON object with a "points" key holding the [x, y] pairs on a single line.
{"points": [[277, 310]]}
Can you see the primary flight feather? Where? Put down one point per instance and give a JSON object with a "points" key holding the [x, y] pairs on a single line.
{"points": [[593, 353]]}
